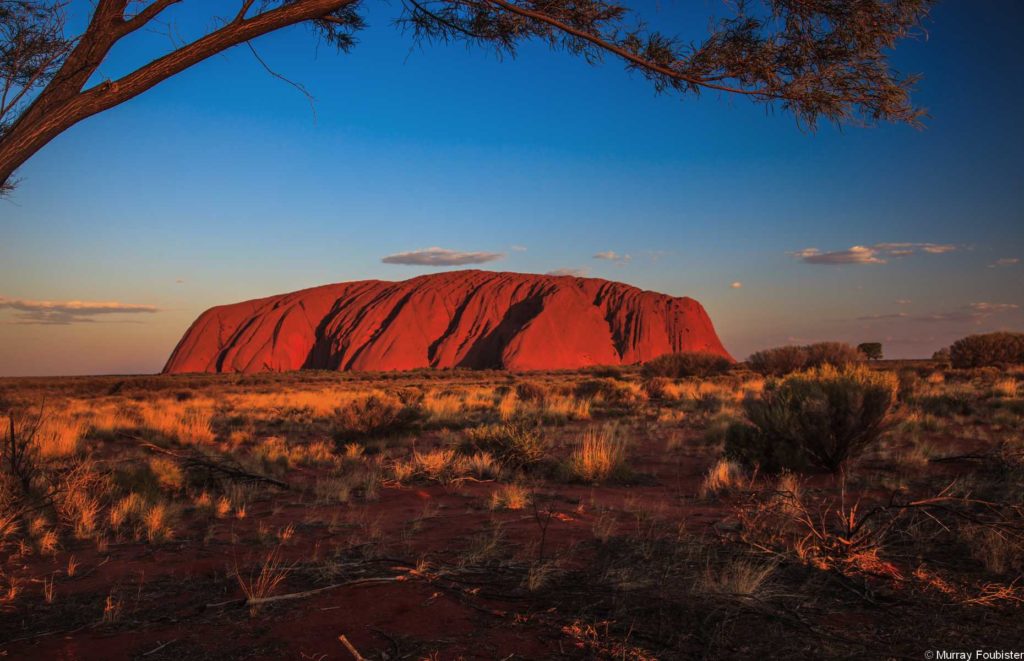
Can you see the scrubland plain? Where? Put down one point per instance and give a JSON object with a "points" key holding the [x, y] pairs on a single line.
{"points": [[604, 513]]}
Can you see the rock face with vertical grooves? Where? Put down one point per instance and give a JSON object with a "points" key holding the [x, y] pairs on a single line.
{"points": [[472, 319]]}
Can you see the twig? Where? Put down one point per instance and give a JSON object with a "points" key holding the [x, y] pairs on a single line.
{"points": [[299, 595], [351, 648], [160, 647], [196, 460]]}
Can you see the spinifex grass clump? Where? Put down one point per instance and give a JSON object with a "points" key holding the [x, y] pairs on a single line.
{"points": [[514, 445], [820, 418], [599, 456]]}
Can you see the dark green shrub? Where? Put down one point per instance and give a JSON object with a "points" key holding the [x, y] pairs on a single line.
{"points": [[372, 417], [688, 363], [615, 393], [778, 361], [783, 360], [989, 349], [821, 418], [836, 354], [941, 356]]}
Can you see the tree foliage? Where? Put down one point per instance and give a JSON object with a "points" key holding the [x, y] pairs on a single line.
{"points": [[870, 350], [988, 349], [817, 59]]}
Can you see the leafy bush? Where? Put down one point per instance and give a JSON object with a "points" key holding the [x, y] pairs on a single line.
{"points": [[778, 361], [783, 360], [989, 349], [616, 393], [819, 418], [836, 354], [688, 363], [372, 417], [941, 356]]}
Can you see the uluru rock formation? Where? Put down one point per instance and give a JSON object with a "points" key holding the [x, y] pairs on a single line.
{"points": [[473, 319]]}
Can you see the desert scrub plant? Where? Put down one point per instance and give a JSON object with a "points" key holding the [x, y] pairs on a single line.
{"points": [[822, 418], [371, 417], [514, 445], [510, 497], [989, 349], [778, 361], [699, 364], [599, 456], [723, 477], [784, 360], [657, 387], [736, 577], [480, 465], [257, 586]]}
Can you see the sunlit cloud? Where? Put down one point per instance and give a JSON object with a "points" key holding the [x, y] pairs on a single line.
{"points": [[878, 253], [435, 256], [61, 313], [576, 273], [854, 255], [736, 285], [612, 256], [517, 248], [1005, 261]]}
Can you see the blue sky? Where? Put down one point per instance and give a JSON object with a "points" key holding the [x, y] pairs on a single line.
{"points": [[221, 185]]}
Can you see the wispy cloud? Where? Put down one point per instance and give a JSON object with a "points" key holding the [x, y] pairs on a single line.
{"points": [[972, 312], [878, 253], [736, 285], [60, 313], [879, 317], [517, 248], [612, 256], [1005, 261], [992, 308], [435, 256], [576, 273]]}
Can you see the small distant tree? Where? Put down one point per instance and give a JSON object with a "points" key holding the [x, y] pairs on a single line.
{"points": [[871, 350], [817, 59]]}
